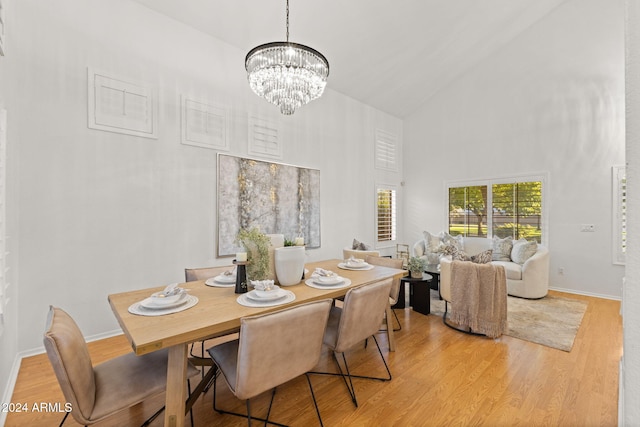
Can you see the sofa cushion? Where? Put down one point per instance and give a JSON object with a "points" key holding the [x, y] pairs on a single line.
{"points": [[511, 269], [359, 246], [502, 248], [483, 257], [523, 250]]}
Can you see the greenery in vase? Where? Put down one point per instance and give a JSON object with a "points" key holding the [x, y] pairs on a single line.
{"points": [[256, 244], [416, 264], [288, 242]]}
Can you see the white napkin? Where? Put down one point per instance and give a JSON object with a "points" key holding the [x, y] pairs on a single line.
{"points": [[355, 261], [231, 272], [321, 272], [169, 291], [263, 285]]}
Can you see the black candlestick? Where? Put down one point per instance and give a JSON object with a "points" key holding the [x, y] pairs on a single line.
{"points": [[241, 276]]}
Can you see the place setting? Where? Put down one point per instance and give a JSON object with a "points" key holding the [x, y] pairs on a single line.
{"points": [[353, 263], [326, 279], [226, 279], [265, 293], [172, 299]]}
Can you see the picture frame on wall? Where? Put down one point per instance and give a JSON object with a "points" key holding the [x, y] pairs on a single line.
{"points": [[275, 197]]}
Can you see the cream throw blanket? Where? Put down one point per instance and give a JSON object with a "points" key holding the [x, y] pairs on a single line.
{"points": [[479, 297]]}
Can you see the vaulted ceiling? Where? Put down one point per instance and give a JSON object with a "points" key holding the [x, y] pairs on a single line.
{"points": [[392, 55]]}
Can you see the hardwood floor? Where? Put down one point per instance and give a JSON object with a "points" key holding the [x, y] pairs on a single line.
{"points": [[440, 377]]}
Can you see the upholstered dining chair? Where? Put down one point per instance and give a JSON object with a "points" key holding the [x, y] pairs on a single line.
{"points": [[272, 349], [395, 287], [358, 319], [197, 350], [97, 392]]}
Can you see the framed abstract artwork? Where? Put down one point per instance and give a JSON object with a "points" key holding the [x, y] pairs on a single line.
{"points": [[276, 198]]}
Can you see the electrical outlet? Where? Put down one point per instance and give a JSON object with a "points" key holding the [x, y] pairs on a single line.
{"points": [[590, 228], [561, 271]]}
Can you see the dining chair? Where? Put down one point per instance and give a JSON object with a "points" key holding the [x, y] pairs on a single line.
{"points": [[395, 287], [197, 349], [97, 392], [272, 349], [358, 319]]}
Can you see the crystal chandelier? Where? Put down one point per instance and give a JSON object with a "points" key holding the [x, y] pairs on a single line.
{"points": [[287, 74]]}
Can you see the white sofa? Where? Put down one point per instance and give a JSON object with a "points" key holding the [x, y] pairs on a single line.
{"points": [[527, 280]]}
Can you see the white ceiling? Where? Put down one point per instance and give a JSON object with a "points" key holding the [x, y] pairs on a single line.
{"points": [[392, 55]]}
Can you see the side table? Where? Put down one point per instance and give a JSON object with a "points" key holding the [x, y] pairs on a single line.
{"points": [[434, 270], [420, 292]]}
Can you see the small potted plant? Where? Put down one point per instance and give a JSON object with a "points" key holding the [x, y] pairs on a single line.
{"points": [[256, 244], [416, 266]]}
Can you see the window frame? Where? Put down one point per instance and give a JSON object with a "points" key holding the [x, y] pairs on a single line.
{"points": [[618, 215], [542, 177], [394, 214]]}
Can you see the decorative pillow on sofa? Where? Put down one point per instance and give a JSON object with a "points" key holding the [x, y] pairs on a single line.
{"points": [[484, 257], [523, 250], [502, 248], [453, 251], [431, 242], [454, 240], [359, 246]]}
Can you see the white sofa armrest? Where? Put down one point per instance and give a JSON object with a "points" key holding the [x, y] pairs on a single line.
{"points": [[535, 276]]}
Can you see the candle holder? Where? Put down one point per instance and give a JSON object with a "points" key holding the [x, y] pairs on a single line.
{"points": [[241, 276]]}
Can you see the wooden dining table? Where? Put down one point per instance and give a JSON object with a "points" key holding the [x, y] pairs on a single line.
{"points": [[217, 313]]}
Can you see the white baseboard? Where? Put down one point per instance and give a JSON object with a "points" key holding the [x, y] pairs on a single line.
{"points": [[587, 294], [15, 369]]}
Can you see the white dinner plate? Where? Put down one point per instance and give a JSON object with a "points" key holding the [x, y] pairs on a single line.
{"points": [[280, 293], [344, 266], [243, 299], [213, 282], [335, 280], [154, 304], [312, 284], [138, 309], [225, 278]]}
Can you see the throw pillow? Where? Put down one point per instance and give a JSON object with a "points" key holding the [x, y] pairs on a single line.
{"points": [[359, 246], [502, 248], [461, 255], [484, 257], [523, 250], [431, 242], [455, 240]]}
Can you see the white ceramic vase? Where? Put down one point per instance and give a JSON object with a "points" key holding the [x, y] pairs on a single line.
{"points": [[289, 262]]}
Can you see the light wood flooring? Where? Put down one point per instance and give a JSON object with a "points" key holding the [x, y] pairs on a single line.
{"points": [[440, 377]]}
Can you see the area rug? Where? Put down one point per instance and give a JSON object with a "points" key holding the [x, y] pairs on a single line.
{"points": [[551, 321]]}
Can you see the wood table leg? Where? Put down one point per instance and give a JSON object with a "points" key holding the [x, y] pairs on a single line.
{"points": [[176, 386], [390, 333]]}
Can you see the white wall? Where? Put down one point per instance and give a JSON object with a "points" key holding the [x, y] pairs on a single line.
{"points": [[101, 212], [550, 101], [630, 368]]}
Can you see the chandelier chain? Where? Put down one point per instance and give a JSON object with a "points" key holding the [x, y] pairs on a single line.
{"points": [[287, 21]]}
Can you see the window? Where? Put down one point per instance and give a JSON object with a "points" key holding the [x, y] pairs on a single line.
{"points": [[386, 216], [515, 209], [468, 210], [619, 187]]}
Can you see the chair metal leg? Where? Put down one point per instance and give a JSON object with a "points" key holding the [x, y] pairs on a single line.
{"points": [[64, 419], [248, 414], [397, 320], [313, 396], [349, 384]]}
